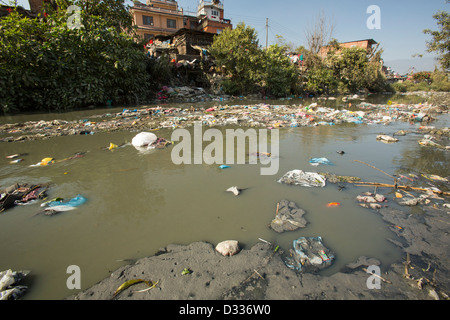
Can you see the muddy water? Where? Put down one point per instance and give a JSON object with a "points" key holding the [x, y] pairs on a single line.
{"points": [[140, 202]]}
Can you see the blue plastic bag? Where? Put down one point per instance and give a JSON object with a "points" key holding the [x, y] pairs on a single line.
{"points": [[309, 254], [320, 161], [74, 202]]}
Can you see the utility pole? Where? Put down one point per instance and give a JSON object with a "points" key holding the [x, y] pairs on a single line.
{"points": [[267, 32]]}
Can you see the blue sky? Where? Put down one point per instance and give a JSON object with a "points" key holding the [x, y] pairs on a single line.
{"points": [[400, 35]]}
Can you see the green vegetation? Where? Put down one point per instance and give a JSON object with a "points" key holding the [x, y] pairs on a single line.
{"points": [[424, 81], [46, 65], [440, 41], [279, 77], [249, 68]]}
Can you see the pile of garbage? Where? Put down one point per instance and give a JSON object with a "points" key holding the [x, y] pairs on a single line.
{"points": [[20, 194], [289, 217], [189, 94], [386, 139], [370, 200], [422, 188], [305, 179], [409, 190], [9, 288], [255, 115], [433, 137], [309, 255]]}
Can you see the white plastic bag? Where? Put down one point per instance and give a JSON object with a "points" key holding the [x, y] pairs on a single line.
{"points": [[144, 139]]}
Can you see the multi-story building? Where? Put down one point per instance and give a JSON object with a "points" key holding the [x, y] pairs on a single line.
{"points": [[211, 17], [157, 17], [164, 17]]}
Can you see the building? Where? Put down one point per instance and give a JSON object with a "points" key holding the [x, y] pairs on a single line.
{"points": [[210, 15], [365, 44], [36, 7], [192, 43], [157, 17], [164, 17], [185, 44]]}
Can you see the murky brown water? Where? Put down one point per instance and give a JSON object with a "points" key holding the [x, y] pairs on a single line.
{"points": [[138, 203]]}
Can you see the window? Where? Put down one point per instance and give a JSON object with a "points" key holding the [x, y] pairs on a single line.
{"points": [[147, 20], [172, 24], [215, 13]]}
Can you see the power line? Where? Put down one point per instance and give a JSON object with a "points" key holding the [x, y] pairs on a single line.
{"points": [[262, 26], [259, 23], [284, 30]]}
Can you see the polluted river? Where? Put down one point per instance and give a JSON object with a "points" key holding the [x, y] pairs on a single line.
{"points": [[140, 201]]}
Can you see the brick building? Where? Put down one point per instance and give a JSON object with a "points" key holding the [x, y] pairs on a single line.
{"points": [[157, 17], [365, 44]]}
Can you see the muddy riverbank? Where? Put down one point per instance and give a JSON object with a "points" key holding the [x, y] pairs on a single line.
{"points": [[260, 273]]}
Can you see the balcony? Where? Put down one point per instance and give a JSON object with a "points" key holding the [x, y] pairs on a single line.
{"points": [[210, 3], [205, 21]]}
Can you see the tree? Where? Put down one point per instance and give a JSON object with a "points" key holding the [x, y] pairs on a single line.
{"points": [[46, 65], [345, 71], [252, 69], [114, 12], [320, 79], [440, 41], [350, 67], [279, 75], [319, 33], [237, 50]]}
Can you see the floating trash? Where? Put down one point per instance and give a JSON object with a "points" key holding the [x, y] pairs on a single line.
{"points": [[9, 290], [317, 161], [306, 179], [289, 217], [309, 254], [234, 190], [57, 206]]}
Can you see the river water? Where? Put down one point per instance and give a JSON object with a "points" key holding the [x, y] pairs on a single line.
{"points": [[140, 202]]}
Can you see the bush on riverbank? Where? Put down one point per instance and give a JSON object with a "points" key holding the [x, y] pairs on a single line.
{"points": [[347, 71], [436, 81], [46, 65], [251, 69]]}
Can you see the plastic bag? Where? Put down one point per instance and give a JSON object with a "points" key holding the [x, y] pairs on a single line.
{"points": [[317, 161], [143, 139], [306, 179], [74, 202], [309, 254], [55, 207]]}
